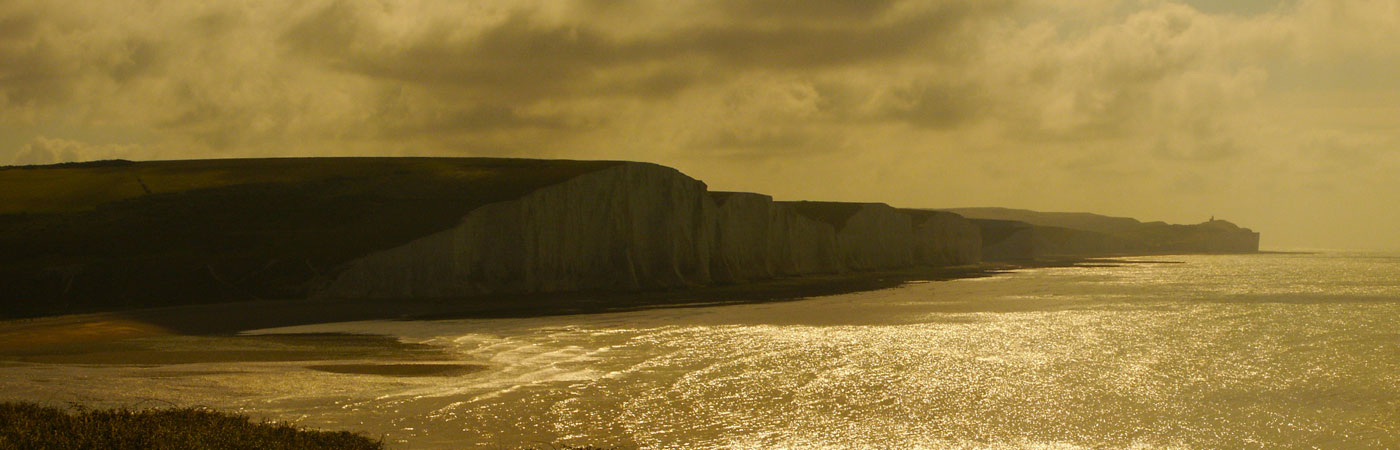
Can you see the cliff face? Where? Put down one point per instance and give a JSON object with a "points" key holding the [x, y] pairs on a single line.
{"points": [[757, 238], [1086, 234], [133, 234], [1006, 240], [1066, 241], [742, 231], [1217, 236], [876, 237], [944, 239], [798, 245], [115, 235], [635, 226], [869, 236], [1232, 239], [627, 227]]}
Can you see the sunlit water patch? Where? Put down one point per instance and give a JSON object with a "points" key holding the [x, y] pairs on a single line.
{"points": [[1259, 351]]}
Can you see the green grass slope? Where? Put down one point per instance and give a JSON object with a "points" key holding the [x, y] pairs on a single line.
{"points": [[120, 234]]}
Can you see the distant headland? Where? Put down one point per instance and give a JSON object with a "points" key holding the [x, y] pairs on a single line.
{"points": [[1010, 234], [119, 234]]}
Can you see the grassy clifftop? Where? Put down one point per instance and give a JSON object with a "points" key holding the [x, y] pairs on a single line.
{"points": [[85, 186], [118, 234]]}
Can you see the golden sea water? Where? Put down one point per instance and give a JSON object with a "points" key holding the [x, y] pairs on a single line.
{"points": [[1192, 352]]}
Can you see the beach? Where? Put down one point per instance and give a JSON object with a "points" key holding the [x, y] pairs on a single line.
{"points": [[58, 332], [1186, 351]]}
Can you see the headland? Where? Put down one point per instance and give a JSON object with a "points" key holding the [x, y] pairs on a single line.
{"points": [[210, 246]]}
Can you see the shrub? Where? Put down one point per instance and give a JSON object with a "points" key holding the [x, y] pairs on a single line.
{"points": [[32, 426]]}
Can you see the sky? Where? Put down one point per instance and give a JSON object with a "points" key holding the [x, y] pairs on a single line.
{"points": [[1281, 116]]}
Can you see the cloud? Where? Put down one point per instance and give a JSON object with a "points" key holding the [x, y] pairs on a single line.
{"points": [[1032, 103], [45, 150], [528, 54], [248, 78]]}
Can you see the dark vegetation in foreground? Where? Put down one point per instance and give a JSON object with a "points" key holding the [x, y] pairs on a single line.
{"points": [[31, 426]]}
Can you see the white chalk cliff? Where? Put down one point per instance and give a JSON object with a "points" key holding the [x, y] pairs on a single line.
{"points": [[639, 226], [627, 227], [801, 246], [742, 233], [876, 236], [406, 228], [944, 239]]}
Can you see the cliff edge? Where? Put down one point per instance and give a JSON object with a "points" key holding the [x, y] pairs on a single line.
{"points": [[626, 227], [120, 234]]}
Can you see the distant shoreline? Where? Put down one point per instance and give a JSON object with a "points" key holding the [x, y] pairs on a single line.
{"points": [[125, 235], [34, 334]]}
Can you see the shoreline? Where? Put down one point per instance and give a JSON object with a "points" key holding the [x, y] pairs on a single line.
{"points": [[36, 334]]}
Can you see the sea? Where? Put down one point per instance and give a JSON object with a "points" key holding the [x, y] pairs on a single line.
{"points": [[1163, 352]]}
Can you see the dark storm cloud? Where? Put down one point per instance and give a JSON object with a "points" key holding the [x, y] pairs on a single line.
{"points": [[43, 60], [526, 57], [29, 71], [17, 24], [788, 10], [936, 105], [472, 119], [492, 76], [771, 144]]}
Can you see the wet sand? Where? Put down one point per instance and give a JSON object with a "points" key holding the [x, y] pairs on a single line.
{"points": [[172, 349], [30, 334], [401, 370]]}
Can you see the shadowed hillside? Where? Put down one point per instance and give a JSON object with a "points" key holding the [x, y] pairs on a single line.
{"points": [[1071, 220], [114, 235], [944, 238], [1012, 234], [118, 234]]}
